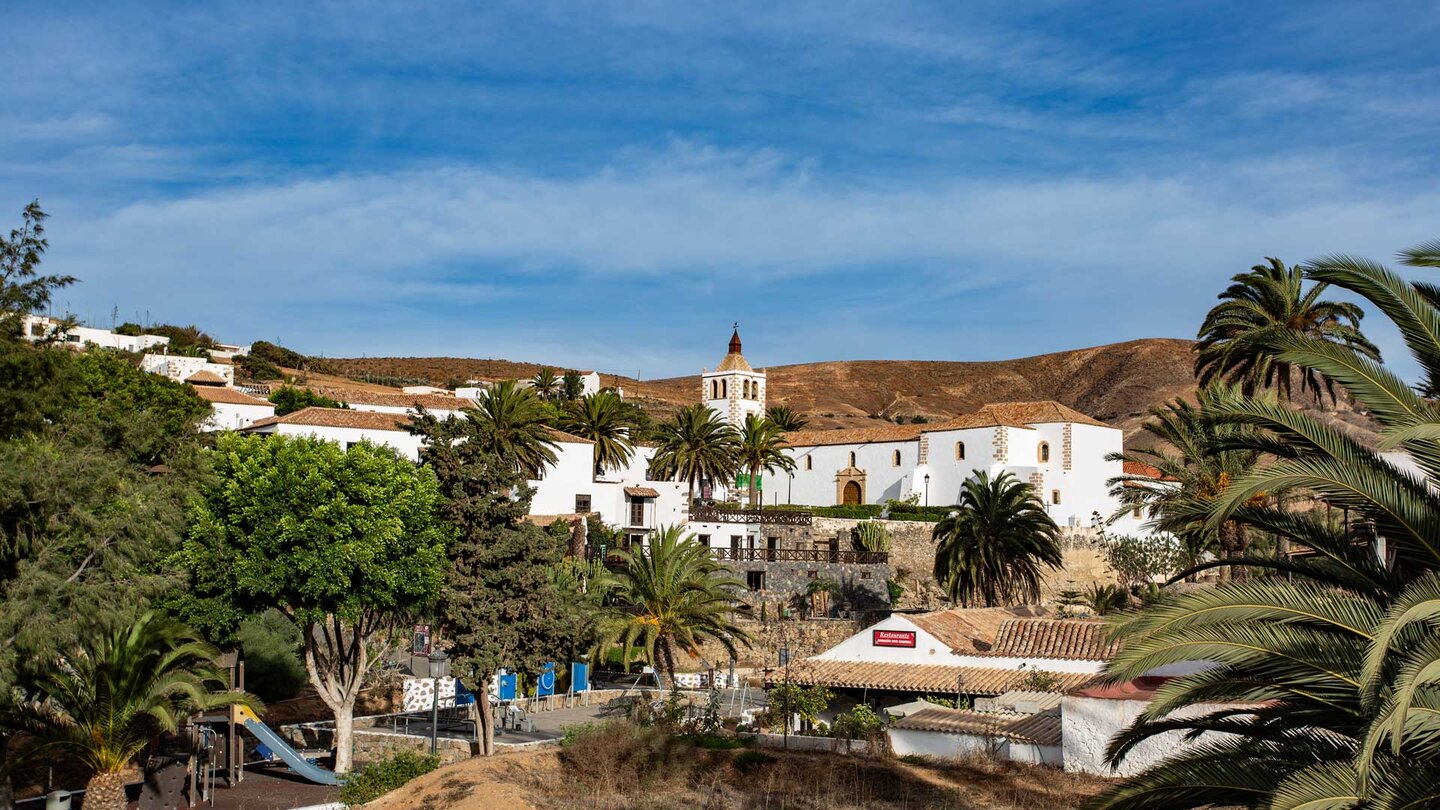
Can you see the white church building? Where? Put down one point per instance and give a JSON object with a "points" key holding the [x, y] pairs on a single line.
{"points": [[1059, 451]]}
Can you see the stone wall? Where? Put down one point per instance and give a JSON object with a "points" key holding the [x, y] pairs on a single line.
{"points": [[803, 637], [376, 743]]}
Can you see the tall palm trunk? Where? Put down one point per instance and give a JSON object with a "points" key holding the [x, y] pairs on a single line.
{"points": [[754, 487]]}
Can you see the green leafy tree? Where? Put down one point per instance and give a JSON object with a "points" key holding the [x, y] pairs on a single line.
{"points": [[106, 699], [1139, 561], [787, 700], [600, 417], [1336, 670], [696, 444], [289, 399], [513, 423], [22, 289], [760, 446], [786, 418], [572, 386], [345, 543], [666, 598], [546, 384], [271, 643], [144, 416], [994, 548], [1271, 302], [499, 607]]}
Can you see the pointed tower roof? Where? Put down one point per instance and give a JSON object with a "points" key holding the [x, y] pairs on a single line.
{"points": [[734, 360]]}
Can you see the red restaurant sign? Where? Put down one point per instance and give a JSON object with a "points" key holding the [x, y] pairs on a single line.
{"points": [[892, 638]]}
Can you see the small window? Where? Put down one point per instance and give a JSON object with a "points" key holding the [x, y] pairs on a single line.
{"points": [[864, 574], [895, 459], [755, 580], [852, 458], [1139, 512], [814, 574], [809, 462], [637, 540], [959, 451], [1055, 496], [582, 504], [1043, 452], [637, 512], [724, 389], [350, 446], [704, 540]]}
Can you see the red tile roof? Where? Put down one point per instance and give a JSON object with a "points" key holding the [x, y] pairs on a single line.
{"points": [[1000, 414], [967, 630], [867, 435], [205, 377], [920, 678], [1066, 639], [229, 396], [336, 417], [1039, 729], [1142, 688], [641, 492]]}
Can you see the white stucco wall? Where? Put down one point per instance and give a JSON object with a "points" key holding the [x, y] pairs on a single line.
{"points": [[405, 444], [572, 473], [816, 486], [233, 416], [860, 647], [181, 368], [1088, 724], [956, 746]]}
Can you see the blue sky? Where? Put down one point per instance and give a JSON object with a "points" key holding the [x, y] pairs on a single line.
{"points": [[610, 185]]}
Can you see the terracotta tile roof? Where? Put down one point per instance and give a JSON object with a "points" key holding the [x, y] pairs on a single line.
{"points": [[970, 421], [922, 678], [970, 630], [879, 433], [1039, 729], [432, 402], [641, 492], [205, 377], [1066, 639], [336, 417], [734, 362], [567, 438], [1142, 688], [229, 396], [1043, 412]]}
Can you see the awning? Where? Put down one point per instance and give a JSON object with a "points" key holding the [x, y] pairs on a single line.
{"points": [[641, 492]]}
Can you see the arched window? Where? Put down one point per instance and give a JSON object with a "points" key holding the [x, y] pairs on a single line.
{"points": [[895, 459], [749, 387], [809, 462], [724, 389], [1139, 512], [1043, 452], [1055, 496], [959, 451], [852, 458]]}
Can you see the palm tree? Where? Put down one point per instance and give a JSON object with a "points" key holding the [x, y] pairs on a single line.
{"points": [[1193, 462], [669, 597], [601, 418], [546, 384], [1237, 339], [512, 422], [760, 448], [106, 700], [992, 549], [787, 419], [1336, 673], [696, 444]]}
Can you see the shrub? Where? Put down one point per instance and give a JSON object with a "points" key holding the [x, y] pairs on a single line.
{"points": [[896, 590], [289, 399], [915, 759], [254, 368], [1039, 681], [872, 536], [273, 669], [747, 762], [1139, 561], [378, 778], [861, 723]]}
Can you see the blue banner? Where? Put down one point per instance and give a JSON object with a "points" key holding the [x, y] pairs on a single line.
{"points": [[579, 677], [545, 684], [507, 686]]}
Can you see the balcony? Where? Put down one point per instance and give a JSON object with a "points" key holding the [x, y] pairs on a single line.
{"points": [[777, 517], [806, 555]]}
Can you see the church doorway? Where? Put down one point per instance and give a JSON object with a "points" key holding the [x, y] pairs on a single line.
{"points": [[850, 495]]}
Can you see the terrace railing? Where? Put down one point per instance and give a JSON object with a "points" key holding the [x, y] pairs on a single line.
{"points": [[778, 517], [809, 555]]}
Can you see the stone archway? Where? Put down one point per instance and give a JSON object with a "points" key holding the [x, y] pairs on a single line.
{"points": [[850, 486]]}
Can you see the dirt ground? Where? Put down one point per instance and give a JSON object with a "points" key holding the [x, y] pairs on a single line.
{"points": [[537, 780]]}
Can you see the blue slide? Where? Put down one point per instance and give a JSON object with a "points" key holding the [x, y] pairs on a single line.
{"points": [[277, 744]]}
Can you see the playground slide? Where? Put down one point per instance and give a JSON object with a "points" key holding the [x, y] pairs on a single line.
{"points": [[276, 743]]}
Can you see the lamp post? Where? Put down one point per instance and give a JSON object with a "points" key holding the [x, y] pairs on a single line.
{"points": [[439, 668], [927, 489]]}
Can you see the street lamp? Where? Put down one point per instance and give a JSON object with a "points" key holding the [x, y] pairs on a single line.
{"points": [[439, 668], [927, 489]]}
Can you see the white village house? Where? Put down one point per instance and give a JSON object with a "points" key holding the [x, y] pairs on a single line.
{"points": [[42, 327]]}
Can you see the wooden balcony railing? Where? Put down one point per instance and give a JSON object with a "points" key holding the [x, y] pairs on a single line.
{"points": [[778, 517], [815, 555]]}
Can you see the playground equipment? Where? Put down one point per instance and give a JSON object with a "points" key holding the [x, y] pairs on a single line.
{"points": [[276, 745]]}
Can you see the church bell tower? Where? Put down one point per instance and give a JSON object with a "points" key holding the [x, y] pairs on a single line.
{"points": [[734, 389]]}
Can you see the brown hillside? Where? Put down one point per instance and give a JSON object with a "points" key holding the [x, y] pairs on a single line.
{"points": [[1116, 383]]}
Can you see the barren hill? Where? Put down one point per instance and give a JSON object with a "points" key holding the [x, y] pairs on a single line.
{"points": [[1115, 383]]}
